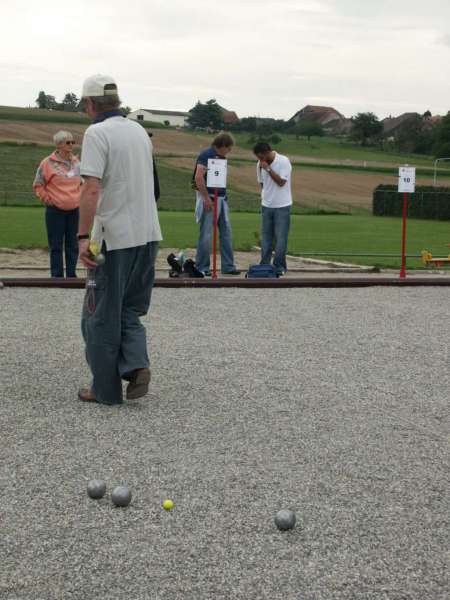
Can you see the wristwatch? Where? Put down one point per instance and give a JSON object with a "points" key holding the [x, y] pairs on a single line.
{"points": [[83, 236], [269, 170]]}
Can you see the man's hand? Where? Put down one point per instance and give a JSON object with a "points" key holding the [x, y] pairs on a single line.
{"points": [[264, 164], [84, 255], [207, 204]]}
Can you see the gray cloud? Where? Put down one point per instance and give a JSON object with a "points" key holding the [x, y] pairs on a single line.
{"points": [[255, 56]]}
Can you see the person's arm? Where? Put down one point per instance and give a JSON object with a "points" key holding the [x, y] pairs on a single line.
{"points": [[90, 193], [39, 186], [93, 164], [201, 186], [259, 175], [277, 178]]}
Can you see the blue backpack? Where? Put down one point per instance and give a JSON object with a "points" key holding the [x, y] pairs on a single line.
{"points": [[261, 271]]}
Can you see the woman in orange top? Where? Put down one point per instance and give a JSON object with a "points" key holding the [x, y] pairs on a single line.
{"points": [[58, 185]]}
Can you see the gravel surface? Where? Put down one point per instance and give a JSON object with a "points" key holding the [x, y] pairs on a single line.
{"points": [[332, 403]]}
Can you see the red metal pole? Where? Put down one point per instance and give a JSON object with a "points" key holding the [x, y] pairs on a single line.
{"points": [[405, 213], [216, 197]]}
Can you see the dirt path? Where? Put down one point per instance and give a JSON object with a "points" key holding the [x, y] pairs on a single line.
{"points": [[34, 262]]}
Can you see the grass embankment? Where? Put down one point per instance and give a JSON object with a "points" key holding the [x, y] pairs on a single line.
{"points": [[19, 164], [12, 113], [22, 227], [336, 148]]}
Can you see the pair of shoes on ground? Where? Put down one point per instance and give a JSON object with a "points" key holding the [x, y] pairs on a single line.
{"points": [[184, 268], [136, 388]]}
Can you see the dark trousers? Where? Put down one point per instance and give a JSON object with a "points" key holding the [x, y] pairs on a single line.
{"points": [[274, 233], [62, 228], [118, 293]]}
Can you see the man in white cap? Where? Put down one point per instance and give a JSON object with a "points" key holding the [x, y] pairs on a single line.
{"points": [[118, 211]]}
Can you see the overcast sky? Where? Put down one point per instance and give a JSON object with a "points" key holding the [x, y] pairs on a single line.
{"points": [[258, 57]]}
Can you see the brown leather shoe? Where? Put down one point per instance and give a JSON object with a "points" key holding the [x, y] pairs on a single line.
{"points": [[138, 385], [86, 395]]}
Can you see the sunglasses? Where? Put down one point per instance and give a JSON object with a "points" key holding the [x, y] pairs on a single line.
{"points": [[70, 143]]}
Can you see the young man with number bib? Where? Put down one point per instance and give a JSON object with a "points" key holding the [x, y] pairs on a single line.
{"points": [[273, 173], [221, 146], [118, 203]]}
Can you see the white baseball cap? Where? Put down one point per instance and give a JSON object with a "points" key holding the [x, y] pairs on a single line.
{"points": [[99, 85]]}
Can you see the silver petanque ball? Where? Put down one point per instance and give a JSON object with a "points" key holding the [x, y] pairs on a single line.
{"points": [[100, 259], [285, 519], [96, 489], [121, 495]]}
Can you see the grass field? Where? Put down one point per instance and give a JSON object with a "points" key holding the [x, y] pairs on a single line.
{"points": [[22, 227], [316, 188]]}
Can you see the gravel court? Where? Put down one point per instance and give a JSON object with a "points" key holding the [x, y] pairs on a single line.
{"points": [[331, 402]]}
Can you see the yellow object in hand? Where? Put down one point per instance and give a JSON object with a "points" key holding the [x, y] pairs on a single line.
{"points": [[167, 504], [94, 248]]}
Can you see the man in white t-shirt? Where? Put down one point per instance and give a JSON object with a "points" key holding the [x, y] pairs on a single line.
{"points": [[273, 172], [118, 211]]}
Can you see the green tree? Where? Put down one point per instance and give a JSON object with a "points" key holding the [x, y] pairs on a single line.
{"points": [[70, 102], [41, 100], [46, 101], [415, 135], [441, 147], [126, 110], [365, 126], [206, 115], [247, 124], [51, 102], [308, 129]]}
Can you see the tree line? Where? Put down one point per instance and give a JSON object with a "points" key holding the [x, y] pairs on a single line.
{"points": [[418, 134], [70, 103]]}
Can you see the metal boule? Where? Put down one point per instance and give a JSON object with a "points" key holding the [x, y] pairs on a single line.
{"points": [[285, 519], [100, 259], [96, 489], [121, 495]]}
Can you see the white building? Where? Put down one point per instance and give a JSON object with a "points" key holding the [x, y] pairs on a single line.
{"points": [[172, 117]]}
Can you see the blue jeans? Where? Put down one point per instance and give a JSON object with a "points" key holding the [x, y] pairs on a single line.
{"points": [[115, 338], [205, 239], [62, 227], [274, 233]]}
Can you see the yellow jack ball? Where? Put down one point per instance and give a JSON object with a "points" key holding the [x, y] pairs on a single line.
{"points": [[94, 248], [167, 504]]}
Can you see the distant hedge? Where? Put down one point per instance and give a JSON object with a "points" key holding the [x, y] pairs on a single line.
{"points": [[428, 202]]}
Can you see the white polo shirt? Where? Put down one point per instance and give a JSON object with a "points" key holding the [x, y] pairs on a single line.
{"points": [[119, 152], [273, 195]]}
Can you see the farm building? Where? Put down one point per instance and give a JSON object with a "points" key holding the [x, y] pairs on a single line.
{"points": [[174, 117], [327, 116], [321, 114], [392, 125], [229, 116], [171, 117]]}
